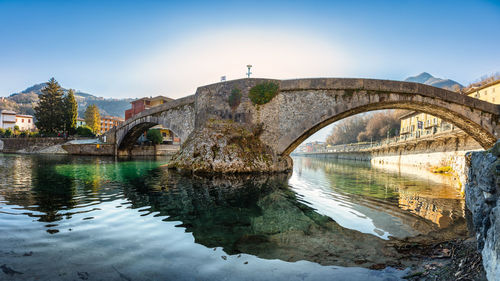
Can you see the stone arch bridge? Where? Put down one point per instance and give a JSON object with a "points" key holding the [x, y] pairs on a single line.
{"points": [[304, 106]]}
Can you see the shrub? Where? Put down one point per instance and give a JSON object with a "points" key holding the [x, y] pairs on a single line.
{"points": [[16, 128], [84, 131], [8, 133], [154, 136], [264, 92], [234, 98], [442, 170], [2, 132], [24, 134]]}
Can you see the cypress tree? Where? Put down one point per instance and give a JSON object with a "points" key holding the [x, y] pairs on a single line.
{"points": [[93, 118], [71, 112], [49, 111]]}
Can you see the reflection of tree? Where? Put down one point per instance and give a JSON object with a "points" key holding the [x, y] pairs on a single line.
{"points": [[257, 215], [52, 191]]}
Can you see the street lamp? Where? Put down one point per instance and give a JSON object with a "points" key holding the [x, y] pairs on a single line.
{"points": [[248, 73]]}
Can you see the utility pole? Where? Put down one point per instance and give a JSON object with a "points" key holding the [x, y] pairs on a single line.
{"points": [[248, 73]]}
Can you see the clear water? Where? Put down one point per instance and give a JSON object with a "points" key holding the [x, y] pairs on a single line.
{"points": [[79, 218]]}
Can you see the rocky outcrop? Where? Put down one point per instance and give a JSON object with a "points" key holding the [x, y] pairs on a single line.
{"points": [[482, 198], [224, 146]]}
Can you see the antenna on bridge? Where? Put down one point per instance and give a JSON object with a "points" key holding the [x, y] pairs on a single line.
{"points": [[248, 73]]}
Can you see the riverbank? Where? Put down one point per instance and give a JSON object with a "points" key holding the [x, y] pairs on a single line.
{"points": [[85, 146]]}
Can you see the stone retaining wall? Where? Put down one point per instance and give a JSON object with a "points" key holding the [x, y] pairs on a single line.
{"points": [[27, 145], [89, 149], [482, 196]]}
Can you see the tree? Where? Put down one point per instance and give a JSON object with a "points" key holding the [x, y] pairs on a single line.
{"points": [[84, 131], [71, 112], [154, 136], [49, 111], [93, 118], [380, 124], [347, 130]]}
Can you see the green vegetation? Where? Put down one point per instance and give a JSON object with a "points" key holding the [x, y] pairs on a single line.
{"points": [[442, 170], [84, 131], [264, 92], [93, 118], [56, 112], [70, 112], [50, 109], [154, 136], [234, 98]]}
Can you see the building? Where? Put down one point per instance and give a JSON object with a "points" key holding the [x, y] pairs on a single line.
{"points": [[25, 122], [108, 122], [145, 103], [168, 136], [489, 92], [7, 119], [80, 122], [415, 124]]}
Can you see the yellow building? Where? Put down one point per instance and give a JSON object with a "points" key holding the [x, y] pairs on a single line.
{"points": [[416, 124], [489, 92]]}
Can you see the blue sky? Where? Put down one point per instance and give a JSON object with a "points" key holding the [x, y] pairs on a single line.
{"points": [[144, 48]]}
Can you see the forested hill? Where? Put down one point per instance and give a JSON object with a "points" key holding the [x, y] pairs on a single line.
{"points": [[24, 101]]}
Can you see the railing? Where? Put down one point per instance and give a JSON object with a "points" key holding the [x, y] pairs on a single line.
{"points": [[444, 129]]}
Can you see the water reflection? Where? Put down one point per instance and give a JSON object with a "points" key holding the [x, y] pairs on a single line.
{"points": [[327, 213], [377, 201]]}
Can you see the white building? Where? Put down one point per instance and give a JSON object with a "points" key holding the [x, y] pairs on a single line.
{"points": [[80, 122], [7, 119], [25, 122]]}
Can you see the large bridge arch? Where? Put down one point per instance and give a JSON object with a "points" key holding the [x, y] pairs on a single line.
{"points": [[305, 106]]}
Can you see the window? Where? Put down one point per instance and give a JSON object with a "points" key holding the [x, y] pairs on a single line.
{"points": [[435, 121], [22, 120], [29, 120]]}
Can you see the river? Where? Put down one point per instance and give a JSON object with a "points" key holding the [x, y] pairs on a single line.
{"points": [[88, 218]]}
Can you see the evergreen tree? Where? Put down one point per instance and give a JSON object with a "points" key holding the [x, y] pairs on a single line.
{"points": [[71, 112], [50, 110], [93, 118]]}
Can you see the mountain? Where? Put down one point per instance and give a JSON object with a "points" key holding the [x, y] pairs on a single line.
{"points": [[426, 78], [24, 101]]}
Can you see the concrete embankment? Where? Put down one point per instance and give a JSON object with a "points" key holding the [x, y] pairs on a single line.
{"points": [[423, 154]]}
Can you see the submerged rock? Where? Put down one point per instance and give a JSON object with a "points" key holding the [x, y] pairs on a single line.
{"points": [[223, 146]]}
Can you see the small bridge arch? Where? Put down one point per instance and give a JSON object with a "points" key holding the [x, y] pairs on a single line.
{"points": [[177, 116]]}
